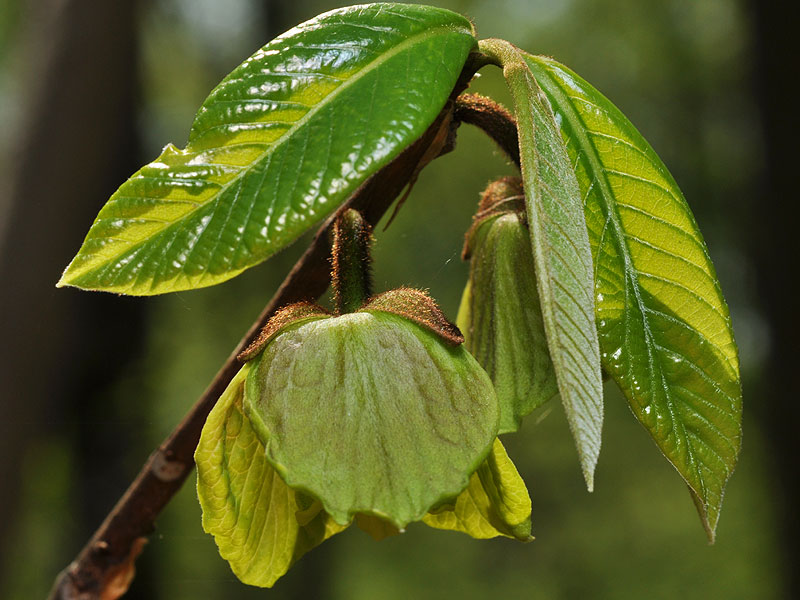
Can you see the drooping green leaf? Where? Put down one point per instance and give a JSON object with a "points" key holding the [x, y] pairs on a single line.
{"points": [[371, 413], [561, 253], [502, 321], [665, 330], [277, 146], [496, 502], [253, 516]]}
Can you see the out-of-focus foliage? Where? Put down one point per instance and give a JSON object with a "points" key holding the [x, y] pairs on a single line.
{"points": [[678, 69]]}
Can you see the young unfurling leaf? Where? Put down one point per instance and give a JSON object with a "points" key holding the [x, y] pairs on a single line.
{"points": [[561, 254]]}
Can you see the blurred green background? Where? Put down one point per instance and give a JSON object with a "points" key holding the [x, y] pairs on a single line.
{"points": [[92, 382]]}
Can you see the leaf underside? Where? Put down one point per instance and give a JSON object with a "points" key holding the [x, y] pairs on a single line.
{"points": [[562, 255], [277, 146], [250, 511], [501, 319], [372, 414], [664, 327]]}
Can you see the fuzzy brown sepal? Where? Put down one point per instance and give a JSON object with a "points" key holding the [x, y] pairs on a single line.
{"points": [[301, 311], [416, 306], [500, 190], [501, 196]]}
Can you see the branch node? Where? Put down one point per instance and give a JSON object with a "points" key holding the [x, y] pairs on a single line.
{"points": [[166, 469]]}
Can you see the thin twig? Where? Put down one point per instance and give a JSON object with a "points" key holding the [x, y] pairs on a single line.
{"points": [[493, 118]]}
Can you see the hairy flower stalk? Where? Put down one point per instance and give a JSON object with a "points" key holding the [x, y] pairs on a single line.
{"points": [[351, 275]]}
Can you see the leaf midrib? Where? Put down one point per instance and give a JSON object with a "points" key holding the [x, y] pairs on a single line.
{"points": [[571, 393], [346, 83]]}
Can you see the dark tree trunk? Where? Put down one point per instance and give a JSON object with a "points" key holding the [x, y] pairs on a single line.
{"points": [[776, 251], [61, 349]]}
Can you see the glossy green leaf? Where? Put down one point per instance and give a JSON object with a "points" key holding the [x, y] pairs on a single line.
{"points": [[502, 321], [371, 413], [665, 330], [253, 516], [277, 146], [496, 502], [561, 253]]}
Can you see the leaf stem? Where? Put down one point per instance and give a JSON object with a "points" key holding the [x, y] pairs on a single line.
{"points": [[492, 118]]}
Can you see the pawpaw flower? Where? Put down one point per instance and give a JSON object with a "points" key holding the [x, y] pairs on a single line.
{"points": [[500, 312], [374, 414]]}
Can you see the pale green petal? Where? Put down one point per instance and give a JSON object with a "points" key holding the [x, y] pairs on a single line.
{"points": [[372, 413]]}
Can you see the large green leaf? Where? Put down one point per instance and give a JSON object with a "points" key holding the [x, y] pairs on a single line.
{"points": [[261, 526], [665, 330], [278, 145], [371, 413], [561, 253]]}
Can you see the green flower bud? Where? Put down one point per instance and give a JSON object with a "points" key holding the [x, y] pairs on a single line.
{"points": [[375, 414], [371, 412], [500, 313]]}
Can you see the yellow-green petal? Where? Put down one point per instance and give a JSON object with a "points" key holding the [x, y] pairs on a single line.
{"points": [[495, 503], [250, 511]]}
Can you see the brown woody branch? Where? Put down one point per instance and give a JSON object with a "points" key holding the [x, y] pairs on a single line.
{"points": [[105, 566], [493, 118]]}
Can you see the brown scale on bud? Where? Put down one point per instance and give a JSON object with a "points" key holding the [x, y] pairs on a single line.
{"points": [[351, 279], [503, 195], [301, 311], [417, 306]]}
